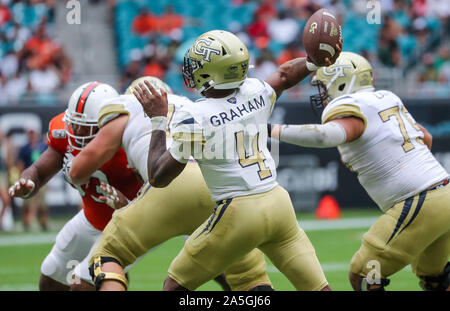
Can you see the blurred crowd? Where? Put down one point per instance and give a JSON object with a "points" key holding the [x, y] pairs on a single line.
{"points": [[32, 63], [13, 160], [412, 36]]}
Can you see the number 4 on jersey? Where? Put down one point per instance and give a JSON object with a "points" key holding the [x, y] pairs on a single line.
{"points": [[257, 157]]}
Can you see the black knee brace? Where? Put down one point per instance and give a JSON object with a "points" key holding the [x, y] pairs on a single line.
{"points": [[436, 283], [365, 286], [262, 288], [98, 275]]}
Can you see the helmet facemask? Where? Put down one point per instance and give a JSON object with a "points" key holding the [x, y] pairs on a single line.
{"points": [[189, 66], [79, 130], [319, 100]]}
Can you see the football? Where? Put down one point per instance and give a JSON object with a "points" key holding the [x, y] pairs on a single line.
{"points": [[320, 36]]}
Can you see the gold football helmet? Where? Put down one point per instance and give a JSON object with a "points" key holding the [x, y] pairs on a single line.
{"points": [[157, 83], [349, 74], [217, 59]]}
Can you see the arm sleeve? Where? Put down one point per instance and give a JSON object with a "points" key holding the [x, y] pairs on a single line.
{"points": [[328, 135]]}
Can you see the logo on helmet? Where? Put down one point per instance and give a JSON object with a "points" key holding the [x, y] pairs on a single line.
{"points": [[337, 70], [204, 50]]}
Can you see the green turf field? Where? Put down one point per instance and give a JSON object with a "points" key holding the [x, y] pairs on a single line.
{"points": [[21, 255]]}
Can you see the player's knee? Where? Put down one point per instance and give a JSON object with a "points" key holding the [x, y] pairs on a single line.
{"points": [[54, 269], [436, 283], [172, 285], [108, 269]]}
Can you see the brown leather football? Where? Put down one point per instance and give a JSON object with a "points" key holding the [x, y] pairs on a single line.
{"points": [[320, 36]]}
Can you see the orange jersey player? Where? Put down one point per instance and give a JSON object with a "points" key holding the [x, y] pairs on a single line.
{"points": [[66, 138], [115, 172]]}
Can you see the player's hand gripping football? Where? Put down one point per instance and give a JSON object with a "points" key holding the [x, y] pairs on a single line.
{"points": [[114, 198], [153, 102], [332, 60], [21, 188]]}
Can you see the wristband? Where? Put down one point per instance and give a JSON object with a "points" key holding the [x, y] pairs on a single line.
{"points": [[159, 123], [311, 66]]}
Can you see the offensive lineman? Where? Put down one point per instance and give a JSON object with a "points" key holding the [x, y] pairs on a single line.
{"points": [[252, 210], [68, 133], [156, 215], [380, 141]]}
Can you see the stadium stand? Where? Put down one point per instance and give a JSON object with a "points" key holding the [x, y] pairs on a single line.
{"points": [[32, 64], [408, 46]]}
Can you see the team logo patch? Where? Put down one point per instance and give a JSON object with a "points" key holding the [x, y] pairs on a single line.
{"points": [[59, 134], [232, 100]]}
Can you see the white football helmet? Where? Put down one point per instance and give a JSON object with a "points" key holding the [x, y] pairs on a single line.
{"points": [[82, 112]]}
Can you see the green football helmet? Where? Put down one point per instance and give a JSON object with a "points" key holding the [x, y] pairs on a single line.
{"points": [[154, 81], [217, 59], [349, 74]]}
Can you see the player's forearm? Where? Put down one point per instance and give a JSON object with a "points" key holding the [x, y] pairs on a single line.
{"points": [[156, 165], [291, 73], [83, 166], [327, 135]]}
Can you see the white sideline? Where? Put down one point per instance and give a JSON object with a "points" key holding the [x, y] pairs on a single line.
{"points": [[338, 224], [27, 239], [307, 225]]}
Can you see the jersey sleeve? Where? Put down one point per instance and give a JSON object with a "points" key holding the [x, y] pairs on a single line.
{"points": [[345, 106], [271, 94], [56, 135], [111, 109], [187, 135]]}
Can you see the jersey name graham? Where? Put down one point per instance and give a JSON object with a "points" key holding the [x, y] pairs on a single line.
{"points": [[240, 110]]}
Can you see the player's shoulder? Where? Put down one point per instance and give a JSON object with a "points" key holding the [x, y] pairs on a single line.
{"points": [[113, 107], [56, 127], [254, 85], [57, 136], [178, 100], [345, 105]]}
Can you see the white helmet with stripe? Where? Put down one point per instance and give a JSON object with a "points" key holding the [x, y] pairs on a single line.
{"points": [[82, 112]]}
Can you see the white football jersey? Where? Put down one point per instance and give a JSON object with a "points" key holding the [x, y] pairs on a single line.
{"points": [[137, 134], [228, 138], [390, 158]]}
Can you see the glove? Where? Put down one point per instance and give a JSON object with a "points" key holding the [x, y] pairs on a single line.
{"points": [[22, 188], [67, 164], [113, 197]]}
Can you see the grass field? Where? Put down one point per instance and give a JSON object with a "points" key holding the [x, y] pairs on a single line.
{"points": [[335, 242]]}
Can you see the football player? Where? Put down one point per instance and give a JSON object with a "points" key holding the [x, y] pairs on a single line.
{"points": [[156, 215], [68, 134], [379, 140], [226, 132]]}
